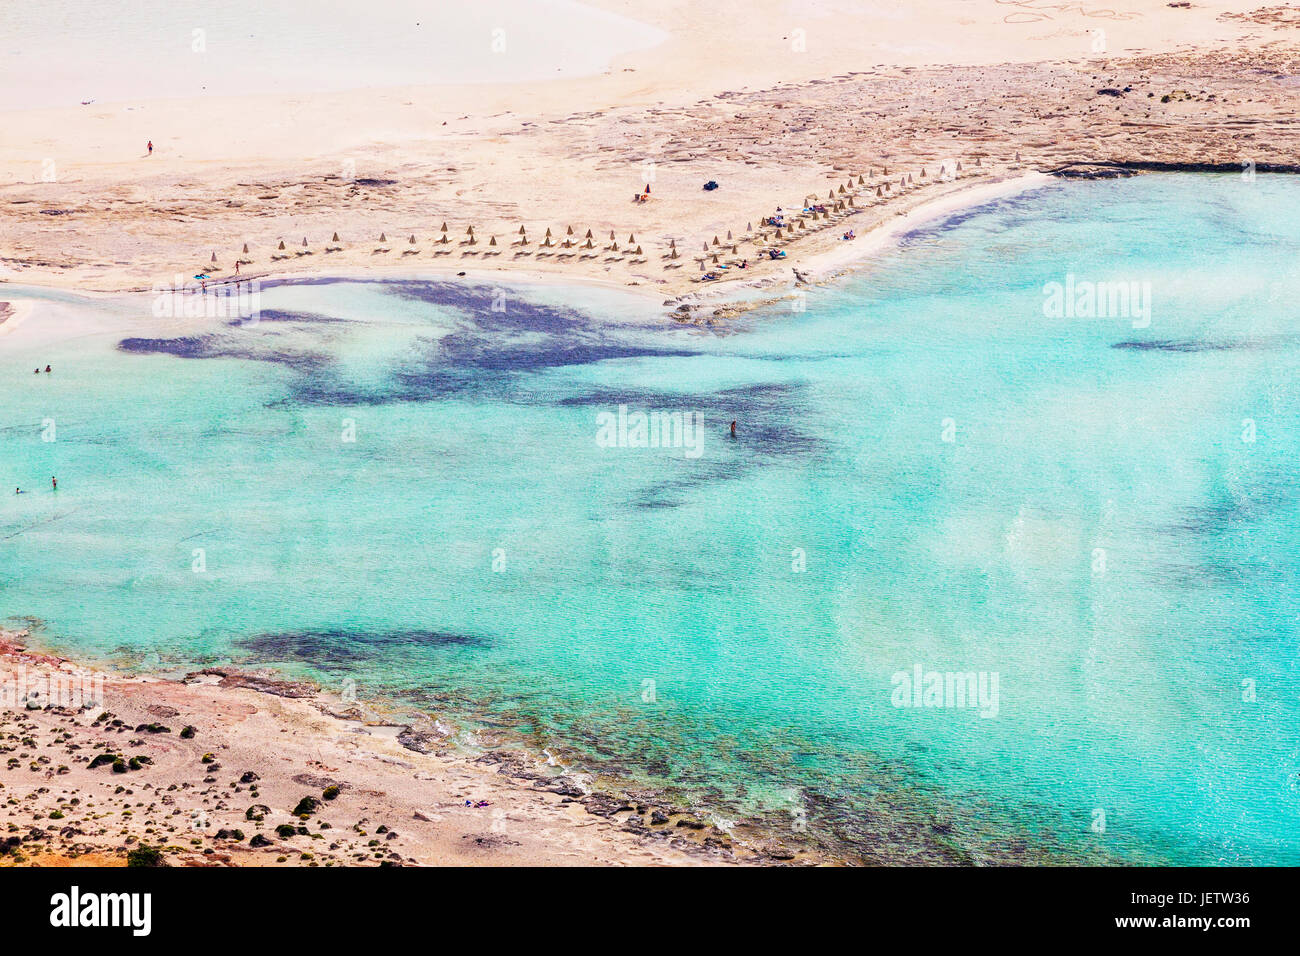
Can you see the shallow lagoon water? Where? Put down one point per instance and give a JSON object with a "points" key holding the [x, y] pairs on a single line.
{"points": [[928, 471], [87, 50]]}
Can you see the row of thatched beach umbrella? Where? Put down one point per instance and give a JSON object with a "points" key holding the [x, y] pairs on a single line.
{"points": [[839, 200]]}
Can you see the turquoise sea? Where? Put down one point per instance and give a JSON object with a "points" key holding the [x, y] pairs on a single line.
{"points": [[1101, 513]]}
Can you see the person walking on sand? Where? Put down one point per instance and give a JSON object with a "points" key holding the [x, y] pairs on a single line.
{"points": [[150, 147]]}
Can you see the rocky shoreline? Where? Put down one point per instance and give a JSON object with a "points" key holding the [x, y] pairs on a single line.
{"points": [[224, 767]]}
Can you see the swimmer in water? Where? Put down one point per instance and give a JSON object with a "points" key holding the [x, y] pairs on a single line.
{"points": [[733, 429]]}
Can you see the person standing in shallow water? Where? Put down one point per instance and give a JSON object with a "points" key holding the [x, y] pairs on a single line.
{"points": [[55, 482], [733, 429]]}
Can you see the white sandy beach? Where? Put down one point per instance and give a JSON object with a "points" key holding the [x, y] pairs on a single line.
{"points": [[775, 100]]}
